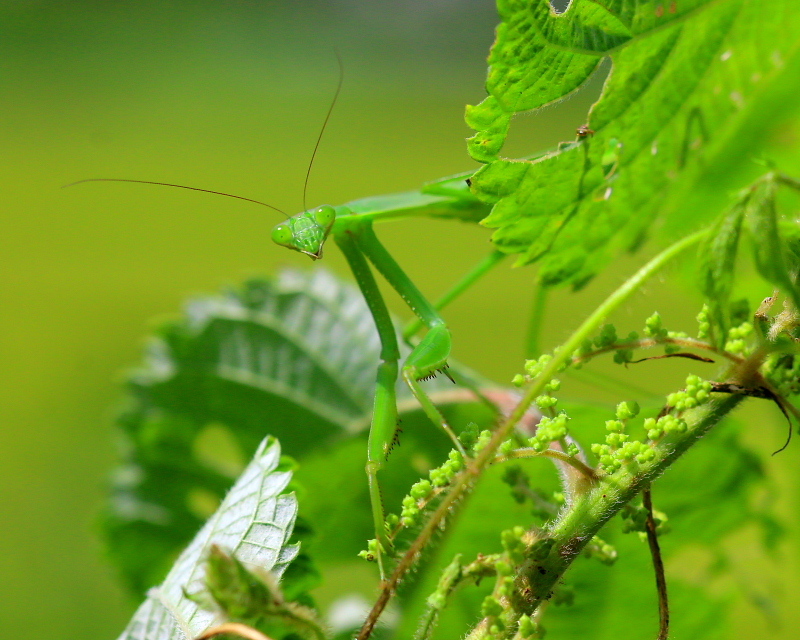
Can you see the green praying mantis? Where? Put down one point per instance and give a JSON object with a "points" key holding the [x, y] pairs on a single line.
{"points": [[352, 229]]}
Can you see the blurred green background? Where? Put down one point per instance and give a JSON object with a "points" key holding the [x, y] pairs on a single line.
{"points": [[230, 96]]}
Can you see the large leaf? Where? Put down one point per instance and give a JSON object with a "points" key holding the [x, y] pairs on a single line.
{"points": [[294, 357], [684, 74], [253, 523]]}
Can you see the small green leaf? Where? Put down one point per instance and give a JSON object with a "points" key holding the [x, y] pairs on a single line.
{"points": [[252, 597], [717, 255], [769, 249]]}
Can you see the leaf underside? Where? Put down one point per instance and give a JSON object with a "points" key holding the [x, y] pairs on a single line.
{"points": [[683, 75], [253, 523]]}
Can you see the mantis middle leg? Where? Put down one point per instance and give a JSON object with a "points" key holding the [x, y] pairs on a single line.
{"points": [[429, 357], [356, 241]]}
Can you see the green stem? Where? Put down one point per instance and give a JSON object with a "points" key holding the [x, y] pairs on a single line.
{"points": [[535, 323], [592, 509], [591, 324]]}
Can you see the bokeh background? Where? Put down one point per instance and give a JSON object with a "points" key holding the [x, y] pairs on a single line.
{"points": [[230, 96]]}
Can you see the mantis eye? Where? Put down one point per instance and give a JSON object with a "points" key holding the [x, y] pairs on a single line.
{"points": [[283, 236], [325, 215]]}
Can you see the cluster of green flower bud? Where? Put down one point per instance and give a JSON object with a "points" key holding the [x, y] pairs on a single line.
{"points": [[635, 520], [675, 335], [372, 551], [618, 448], [783, 371], [421, 491], [549, 430], [697, 392], [704, 323], [600, 550], [491, 607], [469, 435], [514, 544], [654, 328], [483, 439], [513, 554], [528, 629], [736, 342], [657, 428], [533, 368], [608, 337]]}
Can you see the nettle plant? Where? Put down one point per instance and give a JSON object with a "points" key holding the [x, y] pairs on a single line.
{"points": [[468, 531]]}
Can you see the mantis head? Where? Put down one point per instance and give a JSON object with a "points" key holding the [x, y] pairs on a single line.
{"points": [[306, 232]]}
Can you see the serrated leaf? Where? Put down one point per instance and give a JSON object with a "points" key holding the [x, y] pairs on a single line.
{"points": [[683, 73], [295, 357], [253, 523]]}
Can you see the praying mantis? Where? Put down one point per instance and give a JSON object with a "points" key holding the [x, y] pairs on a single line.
{"points": [[351, 227]]}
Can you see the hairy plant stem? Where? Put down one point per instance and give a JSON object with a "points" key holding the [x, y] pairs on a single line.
{"points": [[465, 480], [572, 461], [588, 512]]}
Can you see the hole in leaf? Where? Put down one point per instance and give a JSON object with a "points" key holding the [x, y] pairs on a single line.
{"points": [[560, 6]]}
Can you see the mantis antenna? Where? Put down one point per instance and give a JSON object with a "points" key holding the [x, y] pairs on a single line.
{"points": [[179, 186], [230, 195], [324, 124]]}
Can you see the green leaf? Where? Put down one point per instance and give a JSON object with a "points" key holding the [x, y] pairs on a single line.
{"points": [[769, 248], [717, 256], [252, 597], [295, 358], [684, 75], [253, 523]]}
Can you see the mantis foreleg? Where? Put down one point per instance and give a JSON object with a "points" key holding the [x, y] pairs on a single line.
{"points": [[430, 356]]}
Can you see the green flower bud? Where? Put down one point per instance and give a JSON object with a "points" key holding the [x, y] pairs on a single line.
{"points": [[627, 410], [615, 426], [491, 607]]}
